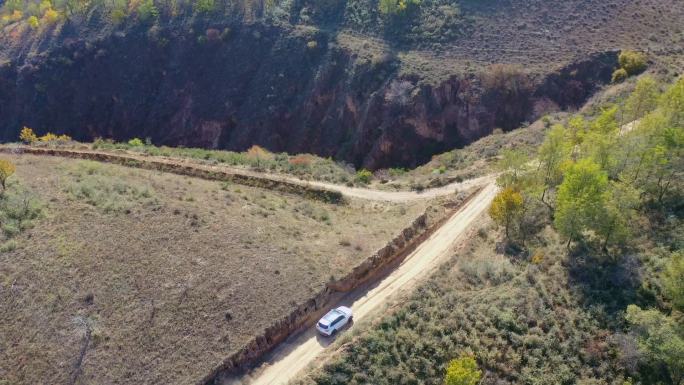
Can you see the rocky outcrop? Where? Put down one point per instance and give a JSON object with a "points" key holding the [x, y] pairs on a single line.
{"points": [[222, 85]]}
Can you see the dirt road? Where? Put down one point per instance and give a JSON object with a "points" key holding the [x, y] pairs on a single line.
{"points": [[351, 192], [299, 351], [404, 196]]}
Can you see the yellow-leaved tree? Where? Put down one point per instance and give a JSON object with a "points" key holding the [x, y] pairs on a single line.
{"points": [[258, 154], [7, 168], [506, 207], [27, 135], [463, 371]]}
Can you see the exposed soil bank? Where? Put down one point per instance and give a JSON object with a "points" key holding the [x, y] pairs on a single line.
{"points": [[253, 180], [308, 313], [230, 86]]}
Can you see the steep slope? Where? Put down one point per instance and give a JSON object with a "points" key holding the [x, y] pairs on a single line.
{"points": [[344, 81]]}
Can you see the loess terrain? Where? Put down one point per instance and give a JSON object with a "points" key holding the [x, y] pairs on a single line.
{"points": [[334, 78], [352, 125], [133, 276], [575, 277]]}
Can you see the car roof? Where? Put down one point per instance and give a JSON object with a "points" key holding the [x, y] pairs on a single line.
{"points": [[345, 310], [332, 315]]}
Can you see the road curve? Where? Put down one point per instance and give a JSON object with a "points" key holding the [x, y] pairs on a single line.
{"points": [[296, 353], [351, 192], [404, 196]]}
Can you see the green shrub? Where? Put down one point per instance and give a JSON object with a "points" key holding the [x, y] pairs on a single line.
{"points": [[136, 142], [33, 22], [104, 189], [8, 246], [632, 62], [18, 209], [619, 75], [394, 7], [147, 10], [204, 6], [364, 176]]}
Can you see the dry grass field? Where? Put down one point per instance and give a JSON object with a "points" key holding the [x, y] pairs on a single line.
{"points": [[122, 275]]}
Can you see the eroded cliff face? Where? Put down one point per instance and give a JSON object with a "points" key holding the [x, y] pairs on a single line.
{"points": [[287, 89]]}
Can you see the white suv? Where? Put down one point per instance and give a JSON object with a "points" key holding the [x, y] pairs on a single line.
{"points": [[334, 320]]}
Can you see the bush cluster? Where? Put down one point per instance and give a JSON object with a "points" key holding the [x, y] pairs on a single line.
{"points": [[19, 208], [528, 328], [304, 166], [29, 137], [106, 190], [631, 63]]}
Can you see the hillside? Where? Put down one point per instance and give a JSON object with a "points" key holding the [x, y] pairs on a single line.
{"points": [[110, 274], [334, 78], [574, 277], [493, 190]]}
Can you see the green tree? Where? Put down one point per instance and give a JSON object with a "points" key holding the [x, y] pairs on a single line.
{"points": [[577, 128], [665, 163], [638, 146], [553, 152], [643, 99], [606, 122], [672, 103], [512, 165], [506, 208], [463, 371], [660, 339], [599, 142], [580, 199], [601, 148], [614, 214], [673, 280]]}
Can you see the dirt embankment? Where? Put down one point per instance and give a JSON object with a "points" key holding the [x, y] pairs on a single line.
{"points": [[308, 313], [198, 171]]}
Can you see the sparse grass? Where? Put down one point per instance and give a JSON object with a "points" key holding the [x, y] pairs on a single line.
{"points": [[95, 184], [166, 286], [474, 160], [19, 208], [304, 166]]}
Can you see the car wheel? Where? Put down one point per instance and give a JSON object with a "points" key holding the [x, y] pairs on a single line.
{"points": [[333, 333]]}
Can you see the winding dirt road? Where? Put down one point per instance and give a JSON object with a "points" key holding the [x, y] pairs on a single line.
{"points": [[351, 192], [296, 353], [300, 350]]}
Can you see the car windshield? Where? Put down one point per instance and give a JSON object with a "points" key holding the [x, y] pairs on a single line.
{"points": [[331, 316], [322, 325]]}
